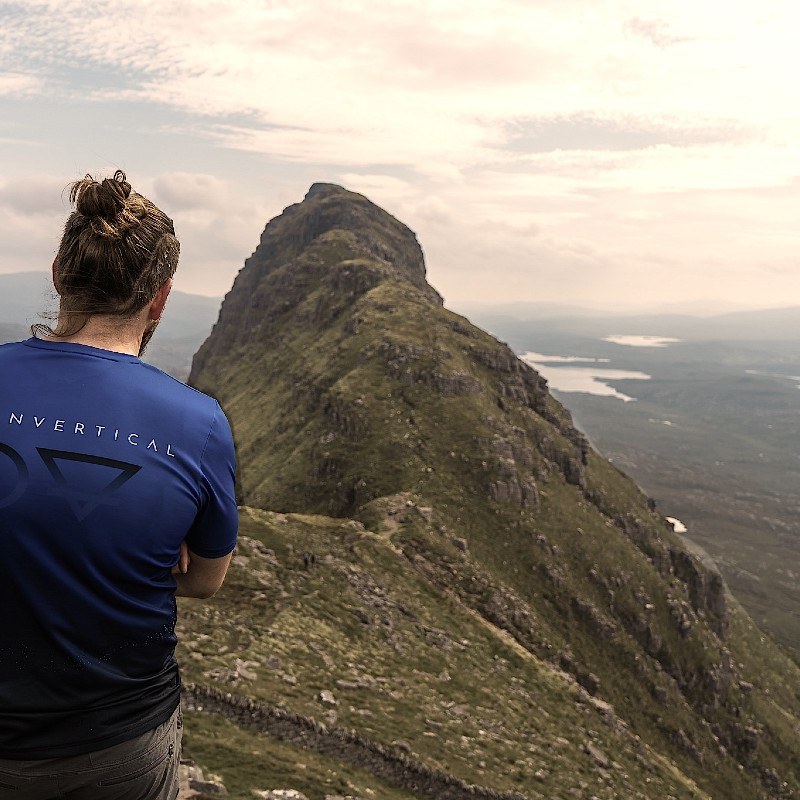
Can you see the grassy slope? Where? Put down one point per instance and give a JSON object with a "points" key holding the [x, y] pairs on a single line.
{"points": [[351, 393], [245, 761], [495, 718]]}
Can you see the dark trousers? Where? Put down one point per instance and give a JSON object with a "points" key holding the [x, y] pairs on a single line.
{"points": [[144, 768]]}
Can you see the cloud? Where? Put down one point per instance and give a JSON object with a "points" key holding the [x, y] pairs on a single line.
{"points": [[17, 83], [656, 31], [182, 191], [407, 83], [552, 138], [218, 227], [27, 242], [435, 210], [35, 196], [586, 131], [377, 185]]}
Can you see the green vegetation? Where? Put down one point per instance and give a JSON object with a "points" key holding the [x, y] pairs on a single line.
{"points": [[404, 661], [487, 590], [244, 761]]}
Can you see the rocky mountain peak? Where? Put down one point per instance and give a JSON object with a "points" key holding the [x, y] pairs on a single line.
{"points": [[312, 262], [362, 230], [354, 395], [317, 189]]}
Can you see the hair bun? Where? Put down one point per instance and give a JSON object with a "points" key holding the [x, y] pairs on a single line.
{"points": [[106, 200], [108, 204]]}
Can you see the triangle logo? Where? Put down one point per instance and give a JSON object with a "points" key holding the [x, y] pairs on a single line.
{"points": [[84, 500]]}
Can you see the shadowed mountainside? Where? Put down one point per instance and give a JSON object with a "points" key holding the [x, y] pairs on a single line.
{"points": [[460, 505]]}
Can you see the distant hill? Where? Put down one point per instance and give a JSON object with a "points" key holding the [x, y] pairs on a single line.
{"points": [[488, 596], [13, 333], [24, 295], [779, 324], [188, 319]]}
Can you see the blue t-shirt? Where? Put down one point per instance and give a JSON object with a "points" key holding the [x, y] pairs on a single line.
{"points": [[106, 465]]}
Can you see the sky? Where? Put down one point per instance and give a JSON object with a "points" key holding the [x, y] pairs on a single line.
{"points": [[614, 155]]}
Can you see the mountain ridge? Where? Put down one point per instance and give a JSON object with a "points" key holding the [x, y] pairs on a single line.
{"points": [[354, 394]]}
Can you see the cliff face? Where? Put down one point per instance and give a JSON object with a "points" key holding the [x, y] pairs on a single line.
{"points": [[354, 394]]}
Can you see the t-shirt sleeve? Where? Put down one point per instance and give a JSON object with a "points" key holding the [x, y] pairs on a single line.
{"points": [[215, 527]]}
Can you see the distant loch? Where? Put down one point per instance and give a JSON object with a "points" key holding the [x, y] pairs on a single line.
{"points": [[593, 379], [641, 341]]}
